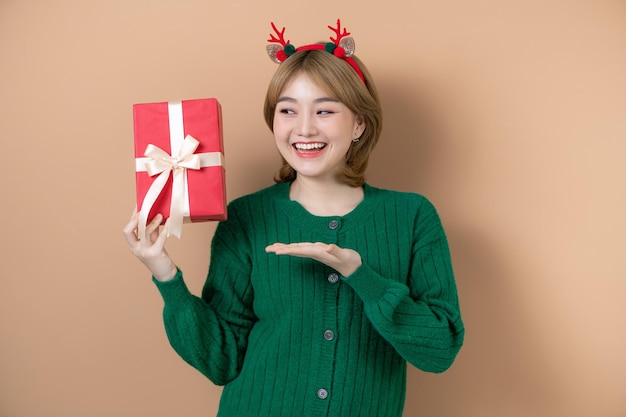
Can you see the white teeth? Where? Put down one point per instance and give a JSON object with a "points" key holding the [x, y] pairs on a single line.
{"points": [[309, 146]]}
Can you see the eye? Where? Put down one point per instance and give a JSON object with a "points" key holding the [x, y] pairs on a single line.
{"points": [[286, 111], [325, 112]]}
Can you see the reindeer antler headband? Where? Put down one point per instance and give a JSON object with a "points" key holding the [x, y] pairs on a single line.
{"points": [[341, 46]]}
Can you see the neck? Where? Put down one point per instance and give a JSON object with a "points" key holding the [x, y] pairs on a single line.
{"points": [[325, 198]]}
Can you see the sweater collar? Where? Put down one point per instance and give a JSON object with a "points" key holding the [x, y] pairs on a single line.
{"points": [[300, 217]]}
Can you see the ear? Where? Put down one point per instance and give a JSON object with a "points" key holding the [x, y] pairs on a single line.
{"points": [[359, 124]]}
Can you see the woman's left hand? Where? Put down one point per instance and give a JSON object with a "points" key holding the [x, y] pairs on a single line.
{"points": [[344, 261]]}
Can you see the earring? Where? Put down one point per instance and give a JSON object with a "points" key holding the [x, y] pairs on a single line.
{"points": [[356, 140]]}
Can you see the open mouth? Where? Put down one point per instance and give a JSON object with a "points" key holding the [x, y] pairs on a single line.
{"points": [[309, 147]]}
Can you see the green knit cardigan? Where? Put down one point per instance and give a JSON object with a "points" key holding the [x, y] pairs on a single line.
{"points": [[289, 336]]}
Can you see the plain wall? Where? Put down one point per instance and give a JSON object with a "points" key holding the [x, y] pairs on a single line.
{"points": [[509, 115]]}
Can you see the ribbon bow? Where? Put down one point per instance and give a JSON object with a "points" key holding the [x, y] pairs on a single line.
{"points": [[162, 163]]}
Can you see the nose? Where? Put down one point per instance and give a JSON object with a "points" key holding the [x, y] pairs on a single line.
{"points": [[305, 125]]}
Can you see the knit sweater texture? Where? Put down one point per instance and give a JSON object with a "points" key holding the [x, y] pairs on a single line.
{"points": [[289, 336]]}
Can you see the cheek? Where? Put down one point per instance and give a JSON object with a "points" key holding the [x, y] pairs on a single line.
{"points": [[281, 135], [282, 129], [279, 131]]}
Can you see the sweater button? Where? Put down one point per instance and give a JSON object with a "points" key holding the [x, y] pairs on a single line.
{"points": [[322, 394], [333, 277], [329, 335], [333, 224]]}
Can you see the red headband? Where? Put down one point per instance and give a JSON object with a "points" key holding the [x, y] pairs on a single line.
{"points": [[341, 47]]}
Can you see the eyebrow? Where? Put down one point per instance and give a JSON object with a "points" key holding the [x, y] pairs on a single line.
{"points": [[317, 100]]}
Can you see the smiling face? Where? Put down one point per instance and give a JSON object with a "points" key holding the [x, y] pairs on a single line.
{"points": [[333, 75], [313, 131]]}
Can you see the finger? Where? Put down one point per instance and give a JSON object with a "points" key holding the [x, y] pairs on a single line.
{"points": [[333, 249], [165, 232], [291, 248], [152, 226], [130, 230], [302, 249], [339, 254], [283, 247], [154, 231], [273, 247]]}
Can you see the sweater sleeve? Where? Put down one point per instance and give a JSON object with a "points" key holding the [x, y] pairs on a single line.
{"points": [[210, 332], [421, 320]]}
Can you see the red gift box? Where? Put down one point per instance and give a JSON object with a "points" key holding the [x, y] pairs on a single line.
{"points": [[179, 156]]}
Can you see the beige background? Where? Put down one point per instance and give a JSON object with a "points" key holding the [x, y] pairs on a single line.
{"points": [[509, 115]]}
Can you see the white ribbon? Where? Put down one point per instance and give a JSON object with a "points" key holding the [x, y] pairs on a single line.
{"points": [[158, 161]]}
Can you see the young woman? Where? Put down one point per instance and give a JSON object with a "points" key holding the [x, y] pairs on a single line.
{"points": [[321, 287]]}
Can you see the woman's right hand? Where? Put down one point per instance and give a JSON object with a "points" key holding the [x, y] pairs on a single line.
{"points": [[150, 248]]}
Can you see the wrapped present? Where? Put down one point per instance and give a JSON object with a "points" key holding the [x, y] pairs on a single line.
{"points": [[179, 157]]}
